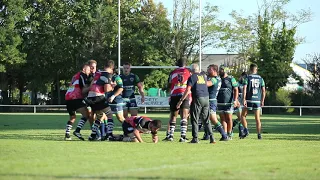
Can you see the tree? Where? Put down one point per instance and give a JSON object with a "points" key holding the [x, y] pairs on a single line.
{"points": [[313, 84]]}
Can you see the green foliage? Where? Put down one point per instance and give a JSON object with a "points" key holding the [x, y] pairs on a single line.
{"points": [[313, 84], [11, 14], [157, 79]]}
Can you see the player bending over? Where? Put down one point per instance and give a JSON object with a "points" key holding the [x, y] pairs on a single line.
{"points": [[134, 125]]}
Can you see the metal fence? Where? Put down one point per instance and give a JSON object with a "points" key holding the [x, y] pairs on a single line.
{"points": [[145, 108]]}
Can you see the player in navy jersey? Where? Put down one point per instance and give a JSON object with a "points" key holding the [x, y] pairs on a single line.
{"points": [[130, 81], [254, 93], [214, 85], [227, 99]]}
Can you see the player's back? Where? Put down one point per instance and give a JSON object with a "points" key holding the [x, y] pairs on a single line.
{"points": [[178, 80], [254, 84]]}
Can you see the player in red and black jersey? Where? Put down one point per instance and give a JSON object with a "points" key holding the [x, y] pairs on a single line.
{"points": [[134, 125], [97, 98], [74, 98], [178, 83]]}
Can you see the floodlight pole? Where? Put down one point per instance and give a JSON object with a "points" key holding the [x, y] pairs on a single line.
{"points": [[119, 44], [200, 34]]}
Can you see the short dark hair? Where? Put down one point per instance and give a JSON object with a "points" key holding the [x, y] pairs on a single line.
{"points": [[109, 64], [214, 67], [252, 66], [244, 73], [127, 63], [84, 65], [156, 123], [182, 62], [92, 61]]}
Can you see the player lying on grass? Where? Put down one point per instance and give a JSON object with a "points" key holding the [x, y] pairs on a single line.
{"points": [[134, 125]]}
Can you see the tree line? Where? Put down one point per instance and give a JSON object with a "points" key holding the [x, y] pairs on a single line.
{"points": [[44, 42]]}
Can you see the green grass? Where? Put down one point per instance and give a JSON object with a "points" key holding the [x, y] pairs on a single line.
{"points": [[32, 147]]}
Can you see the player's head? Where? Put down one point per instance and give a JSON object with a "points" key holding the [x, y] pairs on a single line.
{"points": [[195, 68], [223, 71], [109, 66], [182, 62], [93, 65], [212, 70], [126, 68], [243, 76], [86, 68], [253, 68], [155, 125]]}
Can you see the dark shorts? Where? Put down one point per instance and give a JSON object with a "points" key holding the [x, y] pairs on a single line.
{"points": [[226, 109], [74, 105], [213, 107], [97, 103], [130, 103], [117, 105], [127, 128], [174, 101], [253, 106]]}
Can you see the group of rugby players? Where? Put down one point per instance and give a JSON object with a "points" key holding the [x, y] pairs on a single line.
{"points": [[99, 94], [224, 94]]}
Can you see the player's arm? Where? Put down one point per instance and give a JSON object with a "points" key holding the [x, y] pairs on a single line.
{"points": [[140, 88], [244, 92], [119, 83], [136, 133], [106, 78], [235, 89], [263, 89], [155, 137], [212, 82]]}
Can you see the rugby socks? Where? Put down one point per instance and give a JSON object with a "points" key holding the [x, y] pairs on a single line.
{"points": [[172, 128], [102, 130], [68, 127], [241, 128], [81, 123], [219, 128], [95, 128], [110, 126], [235, 122], [183, 127]]}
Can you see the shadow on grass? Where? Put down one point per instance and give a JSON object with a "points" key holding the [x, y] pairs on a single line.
{"points": [[89, 177]]}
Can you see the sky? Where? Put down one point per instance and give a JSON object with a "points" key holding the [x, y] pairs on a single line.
{"points": [[310, 30]]}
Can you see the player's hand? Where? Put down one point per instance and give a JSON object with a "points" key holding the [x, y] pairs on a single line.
{"points": [[262, 103], [244, 103], [113, 84], [112, 98], [236, 103], [155, 139], [179, 104], [142, 99]]}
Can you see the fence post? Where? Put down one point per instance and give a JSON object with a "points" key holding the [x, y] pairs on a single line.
{"points": [[300, 111], [145, 109], [34, 109]]}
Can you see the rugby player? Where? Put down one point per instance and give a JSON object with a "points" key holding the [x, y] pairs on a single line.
{"points": [[178, 83], [97, 99], [93, 68], [116, 104], [238, 109], [75, 98], [130, 81], [227, 99], [254, 93], [214, 84], [134, 125]]}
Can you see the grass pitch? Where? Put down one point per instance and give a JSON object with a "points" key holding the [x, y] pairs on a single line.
{"points": [[32, 147]]}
